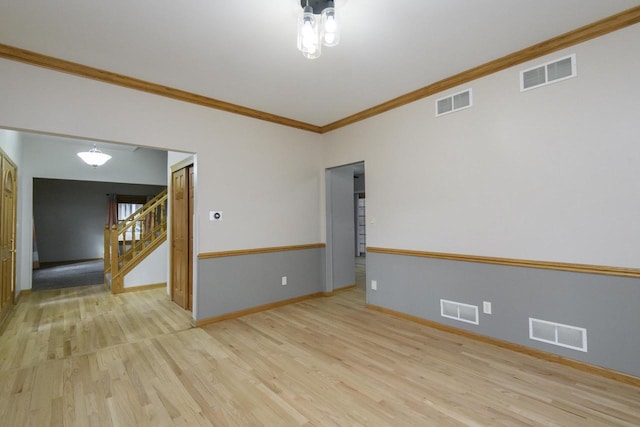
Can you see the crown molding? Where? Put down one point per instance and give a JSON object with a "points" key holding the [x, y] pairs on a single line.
{"points": [[56, 64], [599, 28], [580, 35]]}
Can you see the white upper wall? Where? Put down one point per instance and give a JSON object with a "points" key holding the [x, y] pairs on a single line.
{"points": [[266, 178], [56, 158], [10, 144], [548, 174]]}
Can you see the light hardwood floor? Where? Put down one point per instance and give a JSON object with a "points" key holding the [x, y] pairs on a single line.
{"points": [[84, 357]]}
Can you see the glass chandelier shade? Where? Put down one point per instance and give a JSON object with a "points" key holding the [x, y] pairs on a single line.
{"points": [[308, 34], [94, 157], [315, 31], [330, 28]]}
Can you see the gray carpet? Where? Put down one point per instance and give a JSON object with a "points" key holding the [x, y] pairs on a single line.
{"points": [[69, 275]]}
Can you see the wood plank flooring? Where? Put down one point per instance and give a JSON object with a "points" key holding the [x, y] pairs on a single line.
{"points": [[84, 357]]}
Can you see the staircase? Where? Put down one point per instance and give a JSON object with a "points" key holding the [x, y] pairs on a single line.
{"points": [[130, 241]]}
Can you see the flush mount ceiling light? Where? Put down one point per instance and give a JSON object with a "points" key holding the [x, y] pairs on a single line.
{"points": [[94, 157], [314, 31]]}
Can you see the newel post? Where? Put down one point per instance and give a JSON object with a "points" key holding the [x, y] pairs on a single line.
{"points": [[115, 261]]}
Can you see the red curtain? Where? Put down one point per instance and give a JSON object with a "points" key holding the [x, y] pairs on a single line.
{"points": [[112, 210]]}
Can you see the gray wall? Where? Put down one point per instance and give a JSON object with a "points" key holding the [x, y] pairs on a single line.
{"points": [[69, 216], [340, 227], [235, 283], [607, 306]]}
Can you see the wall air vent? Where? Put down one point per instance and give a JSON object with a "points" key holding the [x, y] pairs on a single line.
{"points": [[558, 334], [455, 102], [459, 311], [551, 72]]}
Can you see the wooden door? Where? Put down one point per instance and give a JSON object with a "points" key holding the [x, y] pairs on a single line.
{"points": [[181, 270], [7, 236]]}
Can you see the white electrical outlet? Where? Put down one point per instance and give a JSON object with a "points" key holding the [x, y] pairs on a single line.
{"points": [[284, 280], [486, 307], [374, 285]]}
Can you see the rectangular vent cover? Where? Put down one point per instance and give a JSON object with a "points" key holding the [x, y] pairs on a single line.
{"points": [[459, 311], [558, 334], [455, 102], [551, 72]]}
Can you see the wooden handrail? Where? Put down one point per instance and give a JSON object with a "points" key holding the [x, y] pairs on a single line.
{"points": [[130, 241], [143, 210]]}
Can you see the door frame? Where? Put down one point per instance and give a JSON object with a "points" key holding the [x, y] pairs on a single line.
{"points": [[4, 160], [330, 219]]}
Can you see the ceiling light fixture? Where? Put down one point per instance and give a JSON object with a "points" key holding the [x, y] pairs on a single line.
{"points": [[313, 32], [94, 157]]}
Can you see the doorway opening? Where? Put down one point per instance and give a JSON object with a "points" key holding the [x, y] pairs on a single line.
{"points": [[360, 218], [69, 220], [345, 228]]}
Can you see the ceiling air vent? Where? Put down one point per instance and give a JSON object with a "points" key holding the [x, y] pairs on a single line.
{"points": [[459, 311], [551, 72], [455, 102], [558, 334]]}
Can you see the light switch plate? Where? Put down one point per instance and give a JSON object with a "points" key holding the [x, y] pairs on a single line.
{"points": [[486, 307]]}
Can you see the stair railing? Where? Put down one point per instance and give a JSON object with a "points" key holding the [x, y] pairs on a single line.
{"points": [[132, 239]]}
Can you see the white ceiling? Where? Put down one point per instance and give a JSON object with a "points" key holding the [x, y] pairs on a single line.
{"points": [[244, 51]]}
